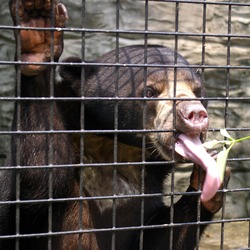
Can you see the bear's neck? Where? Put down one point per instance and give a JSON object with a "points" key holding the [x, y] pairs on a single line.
{"points": [[102, 149], [121, 177]]}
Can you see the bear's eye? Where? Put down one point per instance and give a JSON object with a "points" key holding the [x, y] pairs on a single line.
{"points": [[198, 72], [150, 92]]}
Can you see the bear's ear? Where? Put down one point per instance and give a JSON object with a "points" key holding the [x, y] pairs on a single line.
{"points": [[71, 72]]}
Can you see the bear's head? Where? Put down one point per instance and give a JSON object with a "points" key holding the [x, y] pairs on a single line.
{"points": [[139, 92]]}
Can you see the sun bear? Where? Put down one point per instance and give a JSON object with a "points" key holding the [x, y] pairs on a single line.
{"points": [[92, 151]]}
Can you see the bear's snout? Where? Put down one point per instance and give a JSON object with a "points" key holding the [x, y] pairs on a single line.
{"points": [[192, 117]]}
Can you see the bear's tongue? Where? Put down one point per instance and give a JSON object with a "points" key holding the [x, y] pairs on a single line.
{"points": [[191, 148]]}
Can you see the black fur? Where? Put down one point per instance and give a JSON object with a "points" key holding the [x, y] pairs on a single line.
{"points": [[32, 152]]}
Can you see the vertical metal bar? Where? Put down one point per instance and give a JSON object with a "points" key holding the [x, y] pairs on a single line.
{"points": [[204, 20], [51, 128], [226, 111], [116, 127], [171, 231], [144, 119], [228, 62], [18, 128], [82, 122]]}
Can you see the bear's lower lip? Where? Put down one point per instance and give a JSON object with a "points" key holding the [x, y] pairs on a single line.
{"points": [[191, 148]]}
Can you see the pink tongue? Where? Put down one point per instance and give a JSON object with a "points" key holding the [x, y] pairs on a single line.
{"points": [[192, 149]]}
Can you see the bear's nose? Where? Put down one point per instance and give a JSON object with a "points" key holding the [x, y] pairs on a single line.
{"points": [[195, 113], [192, 117]]}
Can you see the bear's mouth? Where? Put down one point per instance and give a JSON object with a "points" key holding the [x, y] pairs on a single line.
{"points": [[191, 148]]}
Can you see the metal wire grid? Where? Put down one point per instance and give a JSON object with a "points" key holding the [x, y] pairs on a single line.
{"points": [[83, 132]]}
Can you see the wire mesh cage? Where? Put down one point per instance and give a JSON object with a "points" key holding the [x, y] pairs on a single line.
{"points": [[98, 101]]}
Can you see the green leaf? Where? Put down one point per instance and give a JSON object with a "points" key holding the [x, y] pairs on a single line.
{"points": [[223, 155], [224, 132], [222, 161], [214, 143], [211, 144]]}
